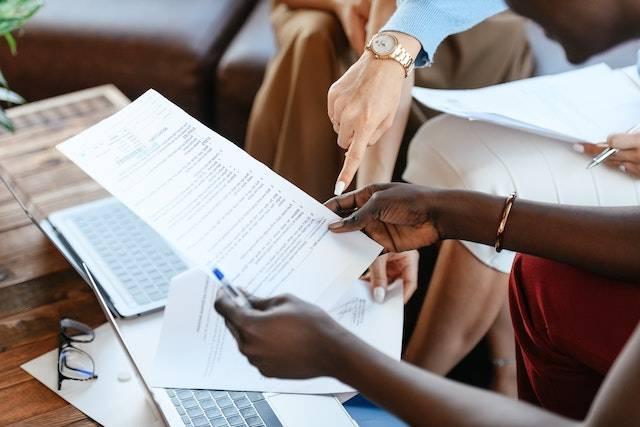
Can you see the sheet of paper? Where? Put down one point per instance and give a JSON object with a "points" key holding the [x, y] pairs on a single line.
{"points": [[582, 105], [197, 351], [106, 400], [216, 204]]}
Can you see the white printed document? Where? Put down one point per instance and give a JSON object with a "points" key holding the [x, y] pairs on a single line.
{"points": [[196, 349], [215, 204], [585, 105]]}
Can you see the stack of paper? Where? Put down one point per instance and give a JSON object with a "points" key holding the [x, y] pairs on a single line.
{"points": [[585, 105]]}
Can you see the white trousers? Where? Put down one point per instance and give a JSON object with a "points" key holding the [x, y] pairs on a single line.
{"points": [[449, 152]]}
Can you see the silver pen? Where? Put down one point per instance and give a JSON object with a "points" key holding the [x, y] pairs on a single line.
{"points": [[606, 153], [609, 151]]}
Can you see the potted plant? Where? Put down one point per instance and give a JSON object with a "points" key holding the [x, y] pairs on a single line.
{"points": [[13, 15]]}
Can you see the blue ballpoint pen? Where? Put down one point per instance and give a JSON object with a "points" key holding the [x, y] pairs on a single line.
{"points": [[238, 297]]}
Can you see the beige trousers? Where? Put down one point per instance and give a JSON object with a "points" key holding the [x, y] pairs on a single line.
{"points": [[289, 129]]}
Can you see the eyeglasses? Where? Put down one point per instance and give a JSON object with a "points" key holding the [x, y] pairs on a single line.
{"points": [[74, 363]]}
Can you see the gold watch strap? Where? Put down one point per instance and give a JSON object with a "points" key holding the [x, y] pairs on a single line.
{"points": [[401, 55]]}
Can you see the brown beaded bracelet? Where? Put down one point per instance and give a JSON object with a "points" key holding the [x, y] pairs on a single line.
{"points": [[506, 210]]}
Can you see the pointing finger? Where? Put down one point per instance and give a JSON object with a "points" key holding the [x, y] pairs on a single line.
{"points": [[352, 161]]}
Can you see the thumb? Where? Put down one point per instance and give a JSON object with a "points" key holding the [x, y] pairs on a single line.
{"points": [[356, 221], [379, 279], [257, 303], [378, 272], [624, 141]]}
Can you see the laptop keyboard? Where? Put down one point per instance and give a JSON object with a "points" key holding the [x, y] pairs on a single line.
{"points": [[133, 251], [217, 408]]}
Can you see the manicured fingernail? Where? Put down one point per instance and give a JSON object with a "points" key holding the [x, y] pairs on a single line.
{"points": [[623, 168], [336, 225], [340, 186], [579, 148], [379, 294]]}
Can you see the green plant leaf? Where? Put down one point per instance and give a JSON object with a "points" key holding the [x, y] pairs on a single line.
{"points": [[3, 81], [10, 96], [11, 42], [5, 122], [14, 13]]}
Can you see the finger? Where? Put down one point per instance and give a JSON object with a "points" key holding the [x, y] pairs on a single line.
{"points": [[357, 220], [338, 108], [234, 332], [352, 161], [228, 309], [588, 149], [336, 127], [353, 200], [632, 169], [410, 275], [257, 303], [334, 94], [630, 156], [379, 280], [343, 203], [408, 291], [624, 141], [346, 131]]}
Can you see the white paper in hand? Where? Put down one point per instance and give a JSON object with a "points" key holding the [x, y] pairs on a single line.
{"points": [[215, 204], [197, 351], [584, 105]]}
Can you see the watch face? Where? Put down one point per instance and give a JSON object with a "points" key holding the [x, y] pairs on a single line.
{"points": [[383, 44]]}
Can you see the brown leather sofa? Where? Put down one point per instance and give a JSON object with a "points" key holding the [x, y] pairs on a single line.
{"points": [[240, 73], [170, 45]]}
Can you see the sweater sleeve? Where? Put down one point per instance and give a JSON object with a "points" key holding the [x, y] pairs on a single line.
{"points": [[431, 21]]}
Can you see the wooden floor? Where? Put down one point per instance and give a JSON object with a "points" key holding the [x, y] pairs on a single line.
{"points": [[37, 286]]}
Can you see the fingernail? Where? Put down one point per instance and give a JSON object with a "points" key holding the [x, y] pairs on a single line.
{"points": [[336, 225], [623, 168], [379, 294], [578, 147], [340, 186]]}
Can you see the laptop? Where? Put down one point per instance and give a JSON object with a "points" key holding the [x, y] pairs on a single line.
{"points": [[106, 235], [133, 265]]}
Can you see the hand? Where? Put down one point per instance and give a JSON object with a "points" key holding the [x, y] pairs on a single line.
{"points": [[363, 103], [284, 336], [627, 159], [390, 267], [353, 15], [398, 216]]}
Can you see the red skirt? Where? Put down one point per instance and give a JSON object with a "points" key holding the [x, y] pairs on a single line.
{"points": [[569, 325]]}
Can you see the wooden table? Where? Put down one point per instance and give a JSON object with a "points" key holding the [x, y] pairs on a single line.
{"points": [[37, 285]]}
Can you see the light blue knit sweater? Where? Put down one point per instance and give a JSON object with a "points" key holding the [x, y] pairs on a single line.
{"points": [[431, 21]]}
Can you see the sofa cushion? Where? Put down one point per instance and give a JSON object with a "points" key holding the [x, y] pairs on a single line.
{"points": [[169, 45], [240, 73]]}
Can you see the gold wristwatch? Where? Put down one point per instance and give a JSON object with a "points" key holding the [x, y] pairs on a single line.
{"points": [[386, 46]]}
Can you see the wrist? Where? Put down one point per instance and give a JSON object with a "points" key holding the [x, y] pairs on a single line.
{"points": [[464, 215], [342, 351], [437, 205]]}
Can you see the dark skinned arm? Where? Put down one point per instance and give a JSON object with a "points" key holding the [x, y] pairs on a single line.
{"points": [[288, 338], [605, 241], [423, 398]]}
